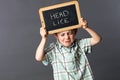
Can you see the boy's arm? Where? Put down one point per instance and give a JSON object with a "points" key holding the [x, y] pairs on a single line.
{"points": [[95, 37], [40, 50]]}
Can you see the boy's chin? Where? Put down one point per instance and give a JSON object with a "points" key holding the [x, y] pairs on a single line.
{"points": [[67, 45]]}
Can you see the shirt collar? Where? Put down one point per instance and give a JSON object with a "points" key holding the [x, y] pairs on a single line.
{"points": [[59, 44]]}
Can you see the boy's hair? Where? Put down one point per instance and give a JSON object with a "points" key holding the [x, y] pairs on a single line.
{"points": [[75, 30]]}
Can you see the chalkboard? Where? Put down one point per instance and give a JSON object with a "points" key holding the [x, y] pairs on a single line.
{"points": [[60, 17]]}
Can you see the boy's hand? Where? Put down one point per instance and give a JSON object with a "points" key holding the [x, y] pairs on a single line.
{"points": [[84, 23], [43, 32]]}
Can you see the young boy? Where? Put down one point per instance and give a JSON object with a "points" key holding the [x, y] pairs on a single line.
{"points": [[68, 54]]}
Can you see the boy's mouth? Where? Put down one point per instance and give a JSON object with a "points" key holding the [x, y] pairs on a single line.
{"points": [[67, 41]]}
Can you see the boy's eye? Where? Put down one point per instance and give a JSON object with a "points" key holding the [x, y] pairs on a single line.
{"points": [[71, 32], [62, 34]]}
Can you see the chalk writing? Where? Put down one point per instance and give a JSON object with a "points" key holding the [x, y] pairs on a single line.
{"points": [[59, 17]]}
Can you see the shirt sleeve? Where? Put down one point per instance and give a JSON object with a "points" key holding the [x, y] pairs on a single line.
{"points": [[48, 55], [86, 45], [45, 61]]}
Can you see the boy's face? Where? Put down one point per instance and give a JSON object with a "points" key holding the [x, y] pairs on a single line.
{"points": [[66, 38]]}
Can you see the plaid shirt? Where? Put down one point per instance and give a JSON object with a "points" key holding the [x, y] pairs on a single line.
{"points": [[69, 63]]}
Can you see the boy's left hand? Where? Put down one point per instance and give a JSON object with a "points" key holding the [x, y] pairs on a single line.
{"points": [[84, 23]]}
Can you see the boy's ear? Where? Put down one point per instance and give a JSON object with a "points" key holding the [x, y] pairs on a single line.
{"points": [[55, 35]]}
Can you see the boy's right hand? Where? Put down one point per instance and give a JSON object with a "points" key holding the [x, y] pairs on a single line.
{"points": [[43, 32]]}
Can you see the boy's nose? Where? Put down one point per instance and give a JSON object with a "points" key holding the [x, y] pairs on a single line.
{"points": [[67, 36]]}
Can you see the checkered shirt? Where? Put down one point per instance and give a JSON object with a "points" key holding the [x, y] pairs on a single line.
{"points": [[69, 63]]}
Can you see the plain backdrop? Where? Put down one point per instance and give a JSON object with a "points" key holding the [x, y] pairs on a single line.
{"points": [[19, 38]]}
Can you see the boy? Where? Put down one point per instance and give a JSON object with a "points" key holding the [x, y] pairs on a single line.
{"points": [[68, 55]]}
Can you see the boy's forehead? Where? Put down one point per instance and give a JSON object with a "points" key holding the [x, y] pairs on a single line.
{"points": [[66, 31]]}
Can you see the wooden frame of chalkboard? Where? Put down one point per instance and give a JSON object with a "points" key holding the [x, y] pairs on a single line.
{"points": [[60, 17]]}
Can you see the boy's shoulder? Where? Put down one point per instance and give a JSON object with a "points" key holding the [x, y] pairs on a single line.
{"points": [[82, 41], [77, 40], [50, 47], [53, 44]]}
